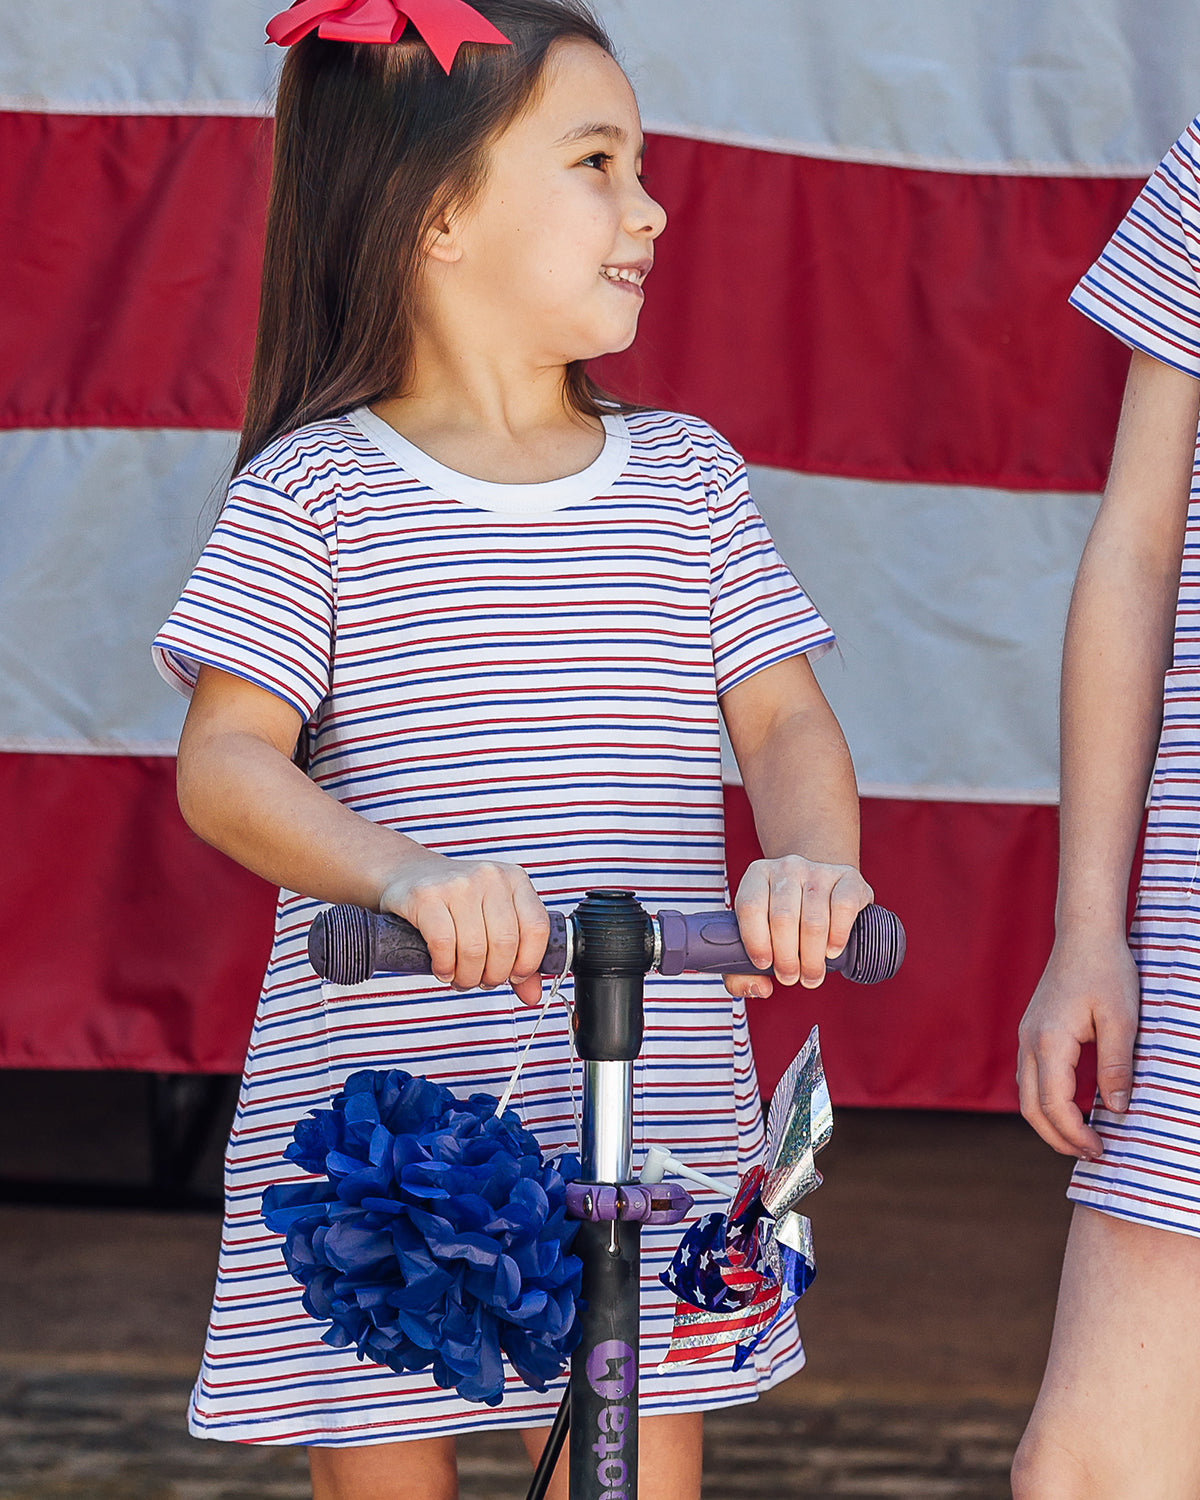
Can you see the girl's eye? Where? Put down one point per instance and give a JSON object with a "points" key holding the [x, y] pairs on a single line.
{"points": [[598, 159]]}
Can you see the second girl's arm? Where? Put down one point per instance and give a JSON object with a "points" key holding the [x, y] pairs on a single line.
{"points": [[796, 906], [1117, 649], [240, 792]]}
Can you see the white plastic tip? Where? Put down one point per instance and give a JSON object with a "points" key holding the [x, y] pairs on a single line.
{"points": [[659, 1162], [655, 1166]]}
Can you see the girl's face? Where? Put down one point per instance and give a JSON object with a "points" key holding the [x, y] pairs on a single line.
{"points": [[550, 257]]}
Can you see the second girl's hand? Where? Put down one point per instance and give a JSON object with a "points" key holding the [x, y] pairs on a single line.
{"points": [[240, 792]]}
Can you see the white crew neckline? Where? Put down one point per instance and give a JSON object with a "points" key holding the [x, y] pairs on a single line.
{"points": [[515, 499]]}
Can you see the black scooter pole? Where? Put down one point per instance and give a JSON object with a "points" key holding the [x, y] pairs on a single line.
{"points": [[610, 965]]}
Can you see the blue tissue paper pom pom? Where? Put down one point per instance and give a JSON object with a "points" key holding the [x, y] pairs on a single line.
{"points": [[437, 1238]]}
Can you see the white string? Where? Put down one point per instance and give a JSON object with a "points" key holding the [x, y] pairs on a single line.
{"points": [[571, 1077], [516, 1072]]}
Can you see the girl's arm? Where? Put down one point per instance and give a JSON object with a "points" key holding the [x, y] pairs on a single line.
{"points": [[239, 791], [796, 906], [1117, 650]]}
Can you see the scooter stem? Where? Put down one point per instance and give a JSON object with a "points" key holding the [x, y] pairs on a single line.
{"points": [[610, 966]]}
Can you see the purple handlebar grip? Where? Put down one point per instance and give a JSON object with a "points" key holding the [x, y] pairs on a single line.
{"points": [[347, 944], [710, 943]]}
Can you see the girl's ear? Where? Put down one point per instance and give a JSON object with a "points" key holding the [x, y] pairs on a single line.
{"points": [[441, 242]]}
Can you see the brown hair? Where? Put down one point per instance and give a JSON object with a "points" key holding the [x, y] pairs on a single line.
{"points": [[372, 143]]}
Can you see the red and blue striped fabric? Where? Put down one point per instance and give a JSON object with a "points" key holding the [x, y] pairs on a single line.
{"points": [[527, 673], [1145, 288]]}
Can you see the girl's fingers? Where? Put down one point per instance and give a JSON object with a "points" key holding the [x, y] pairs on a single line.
{"points": [[1088, 992], [471, 945], [486, 926], [1029, 1094], [752, 907], [533, 925], [850, 895], [1048, 1101], [828, 898], [815, 918], [482, 922], [501, 934], [786, 918], [528, 991], [749, 986], [433, 921], [1115, 1036]]}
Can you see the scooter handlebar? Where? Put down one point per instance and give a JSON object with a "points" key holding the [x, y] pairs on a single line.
{"points": [[347, 945]]}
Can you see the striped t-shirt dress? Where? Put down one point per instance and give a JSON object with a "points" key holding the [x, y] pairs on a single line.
{"points": [[527, 673], [1145, 288]]}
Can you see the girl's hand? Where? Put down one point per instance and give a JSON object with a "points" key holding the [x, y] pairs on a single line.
{"points": [[483, 921], [794, 914], [1089, 992]]}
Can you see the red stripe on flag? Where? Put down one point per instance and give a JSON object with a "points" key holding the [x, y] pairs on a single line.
{"points": [[128, 942], [698, 1333], [974, 885], [881, 323], [133, 253], [829, 317]]}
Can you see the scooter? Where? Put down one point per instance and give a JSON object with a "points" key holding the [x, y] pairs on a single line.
{"points": [[609, 943]]}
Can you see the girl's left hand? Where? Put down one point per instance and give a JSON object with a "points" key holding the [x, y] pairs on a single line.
{"points": [[794, 914]]}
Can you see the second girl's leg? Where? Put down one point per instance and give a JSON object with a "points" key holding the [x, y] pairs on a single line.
{"points": [[421, 1470], [670, 1457], [1118, 1416]]}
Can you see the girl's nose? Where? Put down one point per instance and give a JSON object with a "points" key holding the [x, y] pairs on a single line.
{"points": [[646, 215]]}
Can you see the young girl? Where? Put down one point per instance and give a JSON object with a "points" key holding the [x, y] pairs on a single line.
{"points": [[1118, 1417], [493, 616]]}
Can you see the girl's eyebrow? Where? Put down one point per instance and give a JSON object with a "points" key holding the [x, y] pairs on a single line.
{"points": [[615, 133]]}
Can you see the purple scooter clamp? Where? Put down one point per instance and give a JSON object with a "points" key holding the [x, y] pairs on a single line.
{"points": [[602, 1202]]}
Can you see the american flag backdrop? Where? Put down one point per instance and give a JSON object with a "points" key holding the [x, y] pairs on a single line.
{"points": [[876, 214]]}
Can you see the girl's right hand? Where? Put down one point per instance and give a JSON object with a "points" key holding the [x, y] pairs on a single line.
{"points": [[482, 920], [1089, 992]]}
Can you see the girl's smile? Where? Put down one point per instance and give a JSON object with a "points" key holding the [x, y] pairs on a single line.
{"points": [[628, 278]]}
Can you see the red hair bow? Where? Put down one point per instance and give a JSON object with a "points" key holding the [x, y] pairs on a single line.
{"points": [[444, 24]]}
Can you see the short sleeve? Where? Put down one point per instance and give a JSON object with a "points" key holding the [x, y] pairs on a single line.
{"points": [[1145, 288], [259, 603], [760, 614]]}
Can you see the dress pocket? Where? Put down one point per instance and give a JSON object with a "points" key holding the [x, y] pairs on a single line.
{"points": [[1171, 863]]}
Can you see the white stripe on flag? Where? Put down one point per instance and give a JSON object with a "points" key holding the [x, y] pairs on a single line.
{"points": [[1058, 87], [95, 555], [1044, 87], [949, 604], [176, 57]]}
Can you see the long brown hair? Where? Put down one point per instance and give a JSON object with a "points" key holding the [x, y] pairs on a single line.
{"points": [[372, 143]]}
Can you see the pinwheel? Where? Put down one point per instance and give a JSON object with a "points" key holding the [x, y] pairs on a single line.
{"points": [[735, 1274]]}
